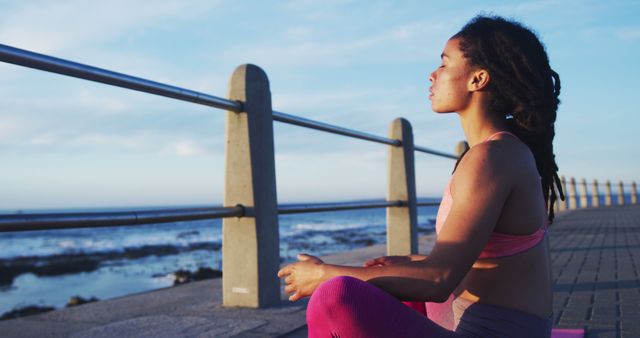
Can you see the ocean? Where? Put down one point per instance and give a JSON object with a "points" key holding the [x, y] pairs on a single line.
{"points": [[47, 268]]}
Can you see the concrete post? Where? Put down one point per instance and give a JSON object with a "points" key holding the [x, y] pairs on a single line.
{"points": [[620, 194], [562, 205], [583, 194], [402, 222], [595, 195], [607, 194], [573, 200], [634, 193], [461, 147], [250, 244]]}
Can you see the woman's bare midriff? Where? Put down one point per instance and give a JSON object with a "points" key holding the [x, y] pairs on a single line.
{"points": [[520, 282]]}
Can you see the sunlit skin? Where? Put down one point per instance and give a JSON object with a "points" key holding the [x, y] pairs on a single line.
{"points": [[496, 187]]}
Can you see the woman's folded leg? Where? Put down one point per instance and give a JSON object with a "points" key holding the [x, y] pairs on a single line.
{"points": [[348, 307]]}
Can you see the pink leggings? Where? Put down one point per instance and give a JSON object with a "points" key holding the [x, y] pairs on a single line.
{"points": [[348, 307]]}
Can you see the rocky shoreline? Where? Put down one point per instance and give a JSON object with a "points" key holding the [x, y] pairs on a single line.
{"points": [[71, 263], [180, 277], [318, 242]]}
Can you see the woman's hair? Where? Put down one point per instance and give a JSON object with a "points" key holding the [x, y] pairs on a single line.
{"points": [[525, 89]]}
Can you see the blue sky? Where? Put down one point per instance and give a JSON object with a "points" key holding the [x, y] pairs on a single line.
{"points": [[67, 143]]}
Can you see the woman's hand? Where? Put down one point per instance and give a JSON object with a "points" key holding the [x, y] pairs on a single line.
{"points": [[303, 277], [391, 260]]}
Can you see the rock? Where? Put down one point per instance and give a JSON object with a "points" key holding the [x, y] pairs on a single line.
{"points": [[29, 310], [77, 300], [186, 276], [181, 277], [206, 273]]}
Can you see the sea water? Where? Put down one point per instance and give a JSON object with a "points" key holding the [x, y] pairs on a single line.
{"points": [[142, 258]]}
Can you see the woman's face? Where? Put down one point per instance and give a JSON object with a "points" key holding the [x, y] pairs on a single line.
{"points": [[449, 90]]}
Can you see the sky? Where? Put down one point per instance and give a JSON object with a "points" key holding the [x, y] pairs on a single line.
{"points": [[71, 143]]}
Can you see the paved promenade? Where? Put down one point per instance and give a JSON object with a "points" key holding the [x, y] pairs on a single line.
{"points": [[595, 254]]}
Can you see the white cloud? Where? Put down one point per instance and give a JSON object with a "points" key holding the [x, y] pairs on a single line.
{"points": [[146, 141], [299, 32], [185, 148], [400, 43], [629, 33], [90, 140], [43, 141], [527, 7], [52, 26], [99, 104]]}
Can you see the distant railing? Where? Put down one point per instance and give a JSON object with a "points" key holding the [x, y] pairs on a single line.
{"points": [[584, 199], [250, 224]]}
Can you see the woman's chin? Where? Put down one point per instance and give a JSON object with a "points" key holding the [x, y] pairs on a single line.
{"points": [[438, 110]]}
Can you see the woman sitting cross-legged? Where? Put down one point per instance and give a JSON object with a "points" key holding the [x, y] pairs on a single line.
{"points": [[489, 272]]}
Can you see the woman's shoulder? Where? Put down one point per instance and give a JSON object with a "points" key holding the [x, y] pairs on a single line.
{"points": [[501, 158]]}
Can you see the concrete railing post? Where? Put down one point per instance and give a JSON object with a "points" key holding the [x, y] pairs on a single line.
{"points": [[250, 244], [562, 205], [583, 194], [402, 222], [620, 193], [595, 194], [607, 194], [461, 147], [573, 201], [634, 193]]}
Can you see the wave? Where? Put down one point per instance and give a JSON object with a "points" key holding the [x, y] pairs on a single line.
{"points": [[329, 226]]}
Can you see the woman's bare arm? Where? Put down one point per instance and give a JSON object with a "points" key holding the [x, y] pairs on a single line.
{"points": [[481, 187]]}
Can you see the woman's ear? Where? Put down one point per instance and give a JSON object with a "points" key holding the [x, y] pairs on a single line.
{"points": [[479, 80]]}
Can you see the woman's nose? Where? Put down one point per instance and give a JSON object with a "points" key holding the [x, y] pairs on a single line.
{"points": [[432, 76]]}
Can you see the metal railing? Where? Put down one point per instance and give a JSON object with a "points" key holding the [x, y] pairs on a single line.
{"points": [[72, 220], [49, 221], [78, 70], [250, 223], [581, 198]]}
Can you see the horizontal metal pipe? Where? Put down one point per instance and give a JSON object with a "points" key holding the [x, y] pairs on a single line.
{"points": [[434, 152], [306, 208], [50, 221], [300, 121], [51, 64], [303, 122], [427, 204]]}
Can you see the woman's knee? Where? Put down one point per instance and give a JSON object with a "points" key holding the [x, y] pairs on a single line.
{"points": [[336, 287], [335, 291]]}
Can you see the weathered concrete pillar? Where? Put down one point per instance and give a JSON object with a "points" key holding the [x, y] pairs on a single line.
{"points": [[620, 194], [250, 244], [461, 147], [573, 200], [583, 194], [402, 222], [607, 194], [634, 193], [562, 205], [595, 195]]}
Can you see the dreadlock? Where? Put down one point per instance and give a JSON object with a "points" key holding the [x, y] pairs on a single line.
{"points": [[525, 88]]}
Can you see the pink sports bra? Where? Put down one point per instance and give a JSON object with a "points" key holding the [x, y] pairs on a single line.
{"points": [[499, 244]]}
